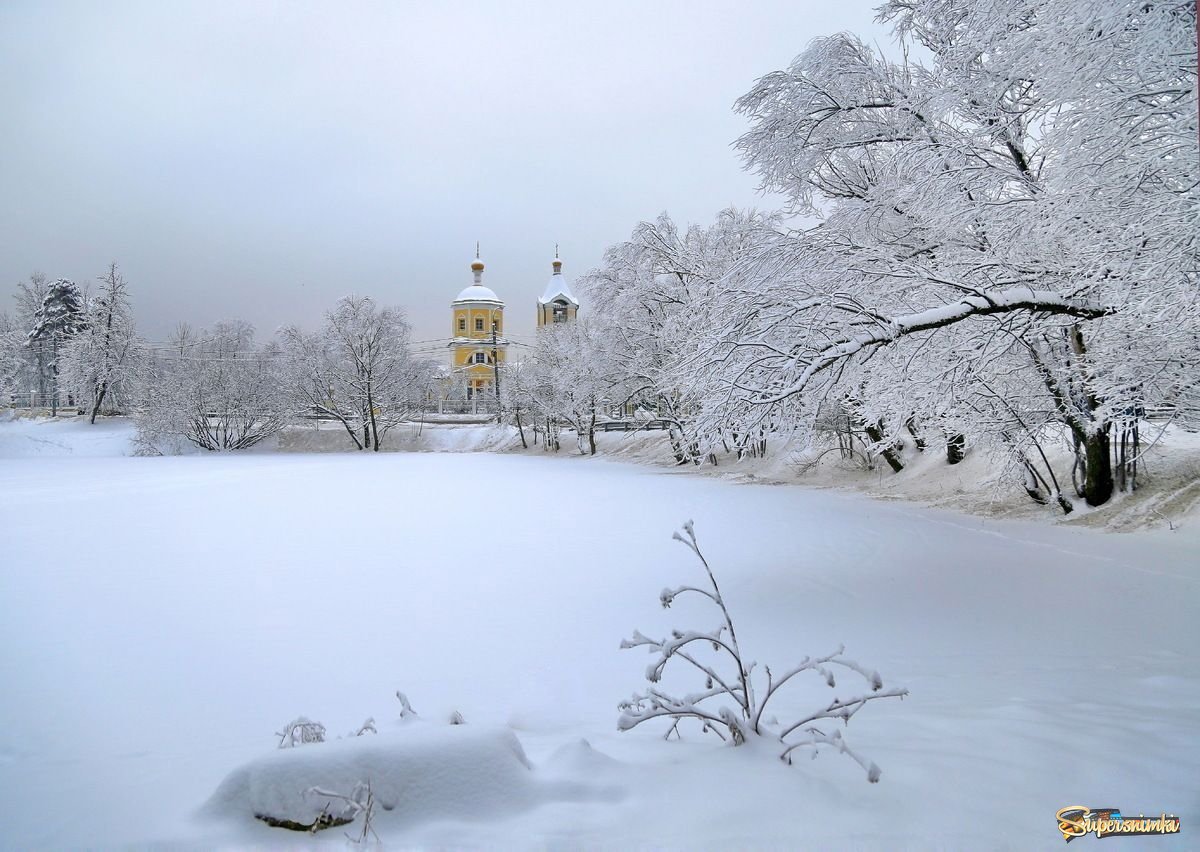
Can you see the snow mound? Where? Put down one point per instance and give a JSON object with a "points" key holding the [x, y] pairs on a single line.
{"points": [[416, 772], [580, 757]]}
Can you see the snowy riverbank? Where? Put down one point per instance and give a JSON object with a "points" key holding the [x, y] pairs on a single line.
{"points": [[1168, 496], [165, 616]]}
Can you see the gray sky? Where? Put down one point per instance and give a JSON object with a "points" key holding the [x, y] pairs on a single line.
{"points": [[260, 160]]}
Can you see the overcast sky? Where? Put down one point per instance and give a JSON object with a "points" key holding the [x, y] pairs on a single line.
{"points": [[260, 160]]}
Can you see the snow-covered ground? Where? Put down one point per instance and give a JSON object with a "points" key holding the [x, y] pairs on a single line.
{"points": [[163, 617], [37, 437]]}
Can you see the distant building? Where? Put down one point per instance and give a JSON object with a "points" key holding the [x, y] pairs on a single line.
{"points": [[558, 302], [477, 343]]}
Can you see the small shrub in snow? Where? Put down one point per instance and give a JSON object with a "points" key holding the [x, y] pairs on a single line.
{"points": [[738, 723], [406, 711], [301, 731], [367, 727]]}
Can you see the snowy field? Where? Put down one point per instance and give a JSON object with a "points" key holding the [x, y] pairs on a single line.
{"points": [[163, 617]]}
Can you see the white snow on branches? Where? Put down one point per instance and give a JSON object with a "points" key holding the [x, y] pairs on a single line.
{"points": [[727, 675]]}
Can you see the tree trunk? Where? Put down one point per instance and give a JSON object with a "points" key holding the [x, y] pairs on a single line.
{"points": [[1097, 467], [956, 448], [676, 439], [1032, 485], [875, 433], [349, 427], [918, 441], [98, 403], [521, 430], [373, 421]]}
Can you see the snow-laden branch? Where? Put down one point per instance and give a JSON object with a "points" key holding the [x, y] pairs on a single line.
{"points": [[895, 328]]}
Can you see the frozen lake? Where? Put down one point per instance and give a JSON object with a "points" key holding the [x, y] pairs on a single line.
{"points": [[162, 617]]}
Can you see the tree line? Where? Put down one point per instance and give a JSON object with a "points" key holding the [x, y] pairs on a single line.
{"points": [[216, 388]]}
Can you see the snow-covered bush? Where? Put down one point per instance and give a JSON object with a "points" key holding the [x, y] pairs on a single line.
{"points": [[215, 389], [301, 731], [728, 678]]}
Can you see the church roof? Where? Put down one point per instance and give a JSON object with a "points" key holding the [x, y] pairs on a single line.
{"points": [[478, 293], [558, 288]]}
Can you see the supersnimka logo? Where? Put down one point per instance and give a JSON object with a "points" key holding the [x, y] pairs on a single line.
{"points": [[1077, 821]]}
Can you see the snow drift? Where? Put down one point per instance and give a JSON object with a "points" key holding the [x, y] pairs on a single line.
{"points": [[417, 772]]}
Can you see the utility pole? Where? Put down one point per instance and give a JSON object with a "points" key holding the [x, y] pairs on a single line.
{"points": [[496, 368]]}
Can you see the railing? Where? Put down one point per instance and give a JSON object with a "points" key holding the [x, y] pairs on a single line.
{"points": [[632, 425], [479, 405], [34, 399]]}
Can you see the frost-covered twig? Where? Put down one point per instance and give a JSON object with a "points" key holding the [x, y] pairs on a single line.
{"points": [[360, 801], [816, 738], [737, 725], [743, 674]]}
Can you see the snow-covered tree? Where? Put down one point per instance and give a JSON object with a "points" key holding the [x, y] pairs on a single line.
{"points": [[517, 395], [217, 391], [99, 361], [357, 369], [567, 381], [1035, 179], [59, 317], [999, 246], [12, 350], [31, 371], [653, 303]]}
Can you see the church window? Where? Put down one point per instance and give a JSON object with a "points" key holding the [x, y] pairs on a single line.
{"points": [[480, 358], [462, 324], [479, 323]]}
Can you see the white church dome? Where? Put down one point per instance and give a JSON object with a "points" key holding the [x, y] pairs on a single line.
{"points": [[558, 288], [478, 293]]}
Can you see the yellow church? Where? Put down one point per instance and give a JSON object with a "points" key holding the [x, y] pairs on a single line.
{"points": [[477, 343], [478, 348]]}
